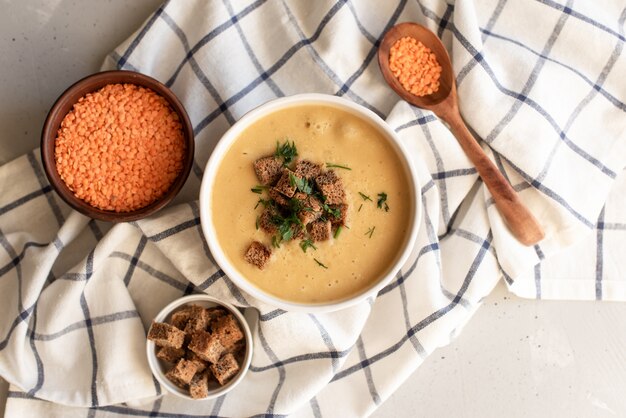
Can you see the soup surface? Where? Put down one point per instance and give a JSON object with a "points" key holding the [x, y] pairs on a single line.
{"points": [[372, 238]]}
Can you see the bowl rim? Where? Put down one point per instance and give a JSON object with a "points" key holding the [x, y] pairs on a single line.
{"points": [[154, 362], [222, 147], [49, 134]]}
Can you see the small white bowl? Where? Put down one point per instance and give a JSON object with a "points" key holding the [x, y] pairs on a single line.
{"points": [[159, 367], [206, 216]]}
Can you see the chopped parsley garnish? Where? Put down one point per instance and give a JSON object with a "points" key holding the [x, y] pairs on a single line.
{"points": [[370, 231], [257, 223], [258, 189], [319, 263], [286, 151], [300, 183], [331, 165], [337, 232], [382, 201], [275, 242], [332, 211], [307, 243], [263, 202], [365, 197], [360, 207]]}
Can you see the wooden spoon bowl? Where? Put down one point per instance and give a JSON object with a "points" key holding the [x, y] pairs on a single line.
{"points": [[444, 103]]}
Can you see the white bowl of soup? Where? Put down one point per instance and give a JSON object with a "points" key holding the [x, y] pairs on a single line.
{"points": [[347, 228]]}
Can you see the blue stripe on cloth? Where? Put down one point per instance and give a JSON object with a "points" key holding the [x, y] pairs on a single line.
{"points": [[281, 370], [43, 183], [426, 321], [17, 259], [417, 345], [583, 18], [135, 42], [367, 372], [419, 121], [92, 343], [445, 20], [175, 230], [599, 255], [617, 103], [212, 35], [538, 281], [98, 320], [327, 340], [159, 275], [373, 50]]}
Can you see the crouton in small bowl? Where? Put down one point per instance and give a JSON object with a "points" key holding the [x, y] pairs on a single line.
{"points": [[310, 203], [199, 347]]}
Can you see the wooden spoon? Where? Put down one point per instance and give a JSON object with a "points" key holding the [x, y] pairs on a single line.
{"points": [[444, 104]]}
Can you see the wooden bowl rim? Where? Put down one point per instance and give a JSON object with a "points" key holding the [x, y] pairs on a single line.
{"points": [[66, 102]]}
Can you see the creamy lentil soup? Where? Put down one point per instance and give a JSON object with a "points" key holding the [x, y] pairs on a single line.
{"points": [[365, 248]]}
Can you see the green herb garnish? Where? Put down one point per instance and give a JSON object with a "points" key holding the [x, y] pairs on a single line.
{"points": [[360, 207], [319, 263], [275, 242], [300, 183], [370, 231], [382, 201], [257, 223], [307, 243], [333, 211], [337, 232], [331, 165], [258, 189], [365, 197], [287, 151]]}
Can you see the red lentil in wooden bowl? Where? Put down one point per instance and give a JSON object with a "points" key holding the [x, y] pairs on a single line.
{"points": [[117, 146]]}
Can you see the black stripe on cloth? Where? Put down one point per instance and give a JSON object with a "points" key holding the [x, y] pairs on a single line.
{"points": [[43, 182], [25, 199], [271, 315], [157, 274], [92, 343], [367, 372], [195, 210], [17, 259], [371, 38], [301, 357], [445, 20], [426, 321], [98, 320], [174, 230], [133, 261]]}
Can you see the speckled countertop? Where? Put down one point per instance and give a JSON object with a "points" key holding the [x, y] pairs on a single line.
{"points": [[516, 358]]}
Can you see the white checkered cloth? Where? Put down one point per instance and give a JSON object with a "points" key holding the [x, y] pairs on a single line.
{"points": [[540, 82]]}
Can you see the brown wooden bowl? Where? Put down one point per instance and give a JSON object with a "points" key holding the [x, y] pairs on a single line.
{"points": [[65, 103]]}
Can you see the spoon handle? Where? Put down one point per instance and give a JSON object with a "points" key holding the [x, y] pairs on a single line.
{"points": [[516, 215]]}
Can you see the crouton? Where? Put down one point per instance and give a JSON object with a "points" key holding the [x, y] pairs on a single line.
{"points": [[228, 330], [180, 317], [206, 346], [166, 335], [284, 183], [225, 368], [311, 208], [169, 354], [307, 170], [331, 187], [268, 170], [278, 197], [265, 221], [258, 254], [342, 209], [183, 372], [320, 230], [193, 357], [215, 314], [198, 319], [199, 386]]}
